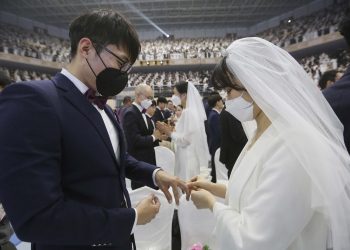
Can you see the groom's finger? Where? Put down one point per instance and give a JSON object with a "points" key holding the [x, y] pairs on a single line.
{"points": [[167, 194], [176, 193], [185, 189]]}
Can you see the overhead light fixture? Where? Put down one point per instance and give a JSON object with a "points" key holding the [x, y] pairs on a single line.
{"points": [[131, 6]]}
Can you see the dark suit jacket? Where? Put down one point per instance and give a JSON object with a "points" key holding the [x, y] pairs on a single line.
{"points": [[167, 114], [338, 96], [120, 113], [158, 116], [233, 139], [138, 136], [214, 130], [61, 184]]}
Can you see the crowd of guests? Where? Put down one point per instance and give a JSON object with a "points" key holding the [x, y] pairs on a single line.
{"points": [[181, 48], [316, 66], [168, 79], [19, 75], [38, 44], [291, 31]]}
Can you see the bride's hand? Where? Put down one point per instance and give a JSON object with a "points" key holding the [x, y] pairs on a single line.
{"points": [[199, 182], [202, 199]]}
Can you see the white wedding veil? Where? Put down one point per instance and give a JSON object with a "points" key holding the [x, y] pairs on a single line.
{"points": [[305, 121], [195, 107]]}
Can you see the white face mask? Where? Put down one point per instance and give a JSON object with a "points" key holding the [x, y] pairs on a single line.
{"points": [[241, 109], [146, 103], [176, 100]]}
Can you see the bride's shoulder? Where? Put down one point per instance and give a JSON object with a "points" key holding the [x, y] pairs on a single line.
{"points": [[283, 145]]}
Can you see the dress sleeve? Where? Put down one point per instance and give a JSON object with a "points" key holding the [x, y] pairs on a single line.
{"points": [[184, 130]]}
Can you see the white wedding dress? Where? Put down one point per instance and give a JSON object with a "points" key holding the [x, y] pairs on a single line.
{"points": [[268, 202], [191, 149]]}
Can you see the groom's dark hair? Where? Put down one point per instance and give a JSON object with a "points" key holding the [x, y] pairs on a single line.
{"points": [[105, 27]]}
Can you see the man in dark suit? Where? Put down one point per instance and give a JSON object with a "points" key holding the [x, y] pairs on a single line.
{"points": [[233, 140], [149, 114], [140, 139], [167, 112], [159, 115], [63, 154], [214, 128], [171, 108], [338, 95], [126, 104]]}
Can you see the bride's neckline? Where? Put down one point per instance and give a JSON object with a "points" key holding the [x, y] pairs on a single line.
{"points": [[263, 124], [256, 138]]}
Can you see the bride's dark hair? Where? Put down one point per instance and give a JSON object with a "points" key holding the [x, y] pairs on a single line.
{"points": [[222, 77], [182, 87]]}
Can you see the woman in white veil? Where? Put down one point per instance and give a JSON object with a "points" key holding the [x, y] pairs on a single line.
{"points": [[289, 188], [191, 153]]}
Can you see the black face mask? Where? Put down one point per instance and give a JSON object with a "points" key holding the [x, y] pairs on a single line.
{"points": [[110, 81]]}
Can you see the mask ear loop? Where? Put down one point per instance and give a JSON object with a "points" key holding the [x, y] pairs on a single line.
{"points": [[89, 63], [251, 103], [99, 56], [91, 68]]}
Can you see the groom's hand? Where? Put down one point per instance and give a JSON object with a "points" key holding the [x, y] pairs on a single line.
{"points": [[147, 209], [165, 181]]}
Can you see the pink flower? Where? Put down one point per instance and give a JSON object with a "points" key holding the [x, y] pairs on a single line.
{"points": [[197, 246]]}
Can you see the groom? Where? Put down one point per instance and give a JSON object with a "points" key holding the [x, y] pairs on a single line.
{"points": [[63, 154]]}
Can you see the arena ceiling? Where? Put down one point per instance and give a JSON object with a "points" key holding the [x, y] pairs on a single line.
{"points": [[164, 13]]}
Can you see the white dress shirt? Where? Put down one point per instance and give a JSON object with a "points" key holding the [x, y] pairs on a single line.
{"points": [[216, 110], [143, 115]]}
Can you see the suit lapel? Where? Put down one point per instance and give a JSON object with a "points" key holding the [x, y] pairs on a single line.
{"points": [[150, 125], [122, 149], [139, 113], [79, 101]]}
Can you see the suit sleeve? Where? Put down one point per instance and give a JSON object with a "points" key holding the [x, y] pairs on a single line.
{"points": [[30, 180], [139, 171], [133, 133]]}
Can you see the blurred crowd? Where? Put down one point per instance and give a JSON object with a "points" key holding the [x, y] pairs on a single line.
{"points": [[19, 75], [291, 31], [35, 44], [315, 66], [38, 44]]}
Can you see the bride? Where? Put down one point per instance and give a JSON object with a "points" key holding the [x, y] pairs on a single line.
{"points": [[289, 188], [191, 152]]}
